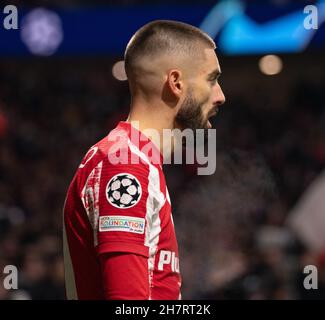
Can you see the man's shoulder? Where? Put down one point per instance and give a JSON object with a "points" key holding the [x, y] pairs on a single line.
{"points": [[114, 151]]}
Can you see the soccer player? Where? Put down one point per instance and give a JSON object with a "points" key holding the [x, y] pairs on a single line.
{"points": [[119, 237]]}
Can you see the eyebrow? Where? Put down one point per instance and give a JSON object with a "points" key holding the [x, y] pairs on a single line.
{"points": [[214, 74]]}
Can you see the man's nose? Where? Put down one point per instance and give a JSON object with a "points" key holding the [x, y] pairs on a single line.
{"points": [[220, 98]]}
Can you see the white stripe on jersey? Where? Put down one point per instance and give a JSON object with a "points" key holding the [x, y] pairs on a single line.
{"points": [[155, 202], [167, 196], [90, 198]]}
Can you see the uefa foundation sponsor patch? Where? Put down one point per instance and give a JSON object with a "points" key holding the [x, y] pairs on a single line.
{"points": [[121, 223]]}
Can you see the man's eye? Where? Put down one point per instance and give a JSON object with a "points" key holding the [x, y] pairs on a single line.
{"points": [[214, 80]]}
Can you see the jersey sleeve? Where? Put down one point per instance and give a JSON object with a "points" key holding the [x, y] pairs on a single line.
{"points": [[123, 209], [124, 276]]}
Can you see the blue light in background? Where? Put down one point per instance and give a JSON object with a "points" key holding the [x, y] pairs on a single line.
{"points": [[240, 34]]}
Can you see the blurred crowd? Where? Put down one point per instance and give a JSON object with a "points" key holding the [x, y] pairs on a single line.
{"points": [[50, 115], [232, 228]]}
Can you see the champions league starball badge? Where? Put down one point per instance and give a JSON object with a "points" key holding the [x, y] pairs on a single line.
{"points": [[123, 191]]}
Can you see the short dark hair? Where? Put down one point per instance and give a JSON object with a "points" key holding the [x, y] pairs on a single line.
{"points": [[164, 36]]}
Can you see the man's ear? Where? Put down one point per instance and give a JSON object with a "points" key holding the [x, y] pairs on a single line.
{"points": [[175, 82]]}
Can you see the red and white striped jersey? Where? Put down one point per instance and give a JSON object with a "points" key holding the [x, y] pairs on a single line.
{"points": [[118, 202]]}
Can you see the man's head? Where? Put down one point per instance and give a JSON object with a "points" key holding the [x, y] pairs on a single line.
{"points": [[175, 62]]}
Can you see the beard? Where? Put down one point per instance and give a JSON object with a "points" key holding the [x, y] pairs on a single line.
{"points": [[190, 114]]}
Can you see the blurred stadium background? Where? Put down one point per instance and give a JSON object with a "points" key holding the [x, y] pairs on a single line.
{"points": [[246, 232]]}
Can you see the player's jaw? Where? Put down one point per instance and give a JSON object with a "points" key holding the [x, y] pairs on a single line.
{"points": [[191, 114]]}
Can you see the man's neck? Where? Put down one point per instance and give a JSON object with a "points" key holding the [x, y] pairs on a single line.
{"points": [[152, 120]]}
